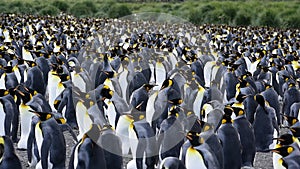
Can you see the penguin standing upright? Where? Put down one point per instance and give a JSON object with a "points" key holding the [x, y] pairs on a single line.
{"points": [[142, 141], [230, 141], [265, 125], [171, 135], [112, 147], [246, 133], [198, 154], [10, 108], [272, 98], [25, 117], [52, 145], [8, 157], [87, 153], [292, 95]]}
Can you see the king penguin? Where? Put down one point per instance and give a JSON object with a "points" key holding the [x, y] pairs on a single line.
{"points": [[87, 153], [246, 133], [172, 163], [25, 118], [171, 135], [265, 125], [230, 141], [8, 157]]}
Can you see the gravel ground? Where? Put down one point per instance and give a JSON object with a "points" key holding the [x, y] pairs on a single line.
{"points": [[262, 160]]}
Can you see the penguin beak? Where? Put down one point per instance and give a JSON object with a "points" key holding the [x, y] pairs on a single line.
{"points": [[279, 139], [139, 106], [21, 93], [189, 137]]}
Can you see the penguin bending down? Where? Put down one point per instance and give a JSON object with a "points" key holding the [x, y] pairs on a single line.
{"points": [[8, 157], [230, 141], [172, 163], [290, 157]]}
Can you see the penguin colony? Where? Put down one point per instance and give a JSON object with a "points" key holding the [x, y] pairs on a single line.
{"points": [[169, 96]]}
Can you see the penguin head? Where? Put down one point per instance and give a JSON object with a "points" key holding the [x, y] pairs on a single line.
{"points": [[8, 69], [227, 115], [241, 97], [290, 119], [284, 150], [260, 100], [148, 87], [194, 138], [167, 83], [30, 63], [286, 139], [177, 101], [25, 96], [137, 115], [43, 116], [268, 86], [295, 131], [3, 92], [106, 93], [64, 77], [174, 111]]}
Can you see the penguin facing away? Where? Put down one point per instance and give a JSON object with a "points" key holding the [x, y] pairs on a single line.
{"points": [[8, 157]]}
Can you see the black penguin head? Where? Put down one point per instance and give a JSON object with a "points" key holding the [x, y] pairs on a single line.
{"points": [[31, 63], [241, 97], [8, 69], [63, 77], [167, 83], [3, 92], [177, 101], [148, 87], [284, 150], [137, 115], [194, 138], [295, 131], [285, 139], [43, 115], [174, 111], [268, 86], [25, 96], [260, 100], [290, 119], [227, 115], [106, 93]]}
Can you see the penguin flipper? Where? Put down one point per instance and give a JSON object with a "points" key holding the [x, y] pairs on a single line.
{"points": [[45, 150]]}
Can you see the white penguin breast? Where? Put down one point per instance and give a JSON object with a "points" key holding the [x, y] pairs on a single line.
{"points": [[2, 120], [194, 159]]}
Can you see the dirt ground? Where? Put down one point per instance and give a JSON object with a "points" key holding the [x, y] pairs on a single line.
{"points": [[262, 160]]}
